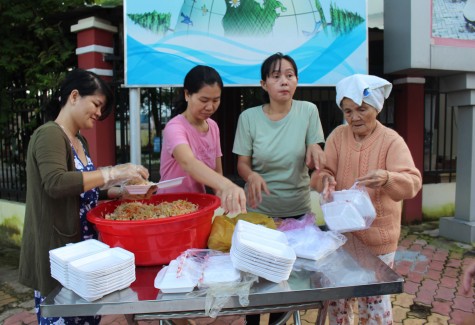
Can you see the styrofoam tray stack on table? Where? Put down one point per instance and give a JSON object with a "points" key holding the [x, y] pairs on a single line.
{"points": [[92, 269], [97, 275], [62, 256], [261, 251]]}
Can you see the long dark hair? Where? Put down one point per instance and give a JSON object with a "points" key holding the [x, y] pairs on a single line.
{"points": [[271, 64], [195, 79], [86, 83]]}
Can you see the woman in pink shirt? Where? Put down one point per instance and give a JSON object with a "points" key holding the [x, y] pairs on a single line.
{"points": [[191, 145], [375, 156]]}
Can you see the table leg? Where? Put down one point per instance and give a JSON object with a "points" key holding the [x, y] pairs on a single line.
{"points": [[296, 315], [283, 319], [322, 313]]}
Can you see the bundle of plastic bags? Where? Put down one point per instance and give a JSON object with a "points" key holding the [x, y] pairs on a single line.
{"points": [[212, 272], [307, 240]]}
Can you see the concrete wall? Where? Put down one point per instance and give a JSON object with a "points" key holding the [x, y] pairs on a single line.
{"points": [[438, 200]]}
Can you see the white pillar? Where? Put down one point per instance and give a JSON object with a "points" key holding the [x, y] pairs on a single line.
{"points": [[134, 114], [461, 93]]}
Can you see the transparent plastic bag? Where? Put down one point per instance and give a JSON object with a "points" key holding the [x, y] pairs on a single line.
{"points": [[217, 279], [308, 241], [217, 295], [359, 197], [299, 223], [349, 210]]}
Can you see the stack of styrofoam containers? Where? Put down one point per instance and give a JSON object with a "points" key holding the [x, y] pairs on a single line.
{"points": [[92, 269], [261, 251], [61, 257]]}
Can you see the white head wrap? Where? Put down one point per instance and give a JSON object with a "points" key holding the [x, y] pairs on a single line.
{"points": [[363, 88]]}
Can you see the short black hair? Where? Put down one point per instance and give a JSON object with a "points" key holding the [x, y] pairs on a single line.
{"points": [[87, 83], [271, 64], [195, 79]]}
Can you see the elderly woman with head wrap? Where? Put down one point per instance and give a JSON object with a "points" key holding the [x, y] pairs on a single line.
{"points": [[375, 156]]}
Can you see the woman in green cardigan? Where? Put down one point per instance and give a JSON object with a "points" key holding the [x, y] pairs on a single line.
{"points": [[63, 184]]}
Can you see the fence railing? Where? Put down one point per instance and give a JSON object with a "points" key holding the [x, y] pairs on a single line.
{"points": [[18, 121], [440, 136]]}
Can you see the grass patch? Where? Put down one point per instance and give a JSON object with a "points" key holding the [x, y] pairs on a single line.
{"points": [[10, 233], [431, 214]]}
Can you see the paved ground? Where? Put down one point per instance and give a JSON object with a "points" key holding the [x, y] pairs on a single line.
{"points": [[432, 267]]}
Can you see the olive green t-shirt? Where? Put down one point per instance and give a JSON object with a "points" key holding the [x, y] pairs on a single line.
{"points": [[277, 150]]}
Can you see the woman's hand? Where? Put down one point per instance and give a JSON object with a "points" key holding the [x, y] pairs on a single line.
{"points": [[329, 185], [315, 157], [374, 178], [118, 174], [255, 185], [233, 199]]}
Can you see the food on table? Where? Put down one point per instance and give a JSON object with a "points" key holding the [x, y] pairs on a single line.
{"points": [[144, 211]]}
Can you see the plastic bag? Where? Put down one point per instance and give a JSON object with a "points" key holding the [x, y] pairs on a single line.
{"points": [[292, 223], [349, 210], [217, 289], [257, 219], [223, 228], [221, 234], [358, 195], [308, 241], [217, 295]]}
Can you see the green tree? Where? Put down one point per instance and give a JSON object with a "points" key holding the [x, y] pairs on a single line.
{"points": [[36, 47]]}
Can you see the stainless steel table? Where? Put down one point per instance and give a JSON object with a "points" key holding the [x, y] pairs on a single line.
{"points": [[350, 271]]}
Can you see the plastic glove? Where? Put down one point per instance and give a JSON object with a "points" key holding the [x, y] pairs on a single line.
{"points": [[119, 174]]}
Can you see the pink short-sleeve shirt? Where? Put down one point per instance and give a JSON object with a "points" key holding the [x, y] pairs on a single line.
{"points": [[206, 147]]}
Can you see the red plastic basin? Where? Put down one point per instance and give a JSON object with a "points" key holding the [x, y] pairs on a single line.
{"points": [[158, 241]]}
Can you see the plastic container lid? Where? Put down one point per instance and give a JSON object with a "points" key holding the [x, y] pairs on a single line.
{"points": [[342, 216], [361, 201]]}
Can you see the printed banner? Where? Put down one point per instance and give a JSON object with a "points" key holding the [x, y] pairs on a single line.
{"points": [[164, 39]]}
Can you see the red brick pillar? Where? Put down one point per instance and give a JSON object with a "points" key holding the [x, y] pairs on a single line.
{"points": [[95, 39], [409, 123]]}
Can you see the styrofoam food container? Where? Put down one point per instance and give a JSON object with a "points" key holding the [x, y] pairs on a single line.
{"points": [[143, 189], [265, 260], [243, 266], [260, 230], [359, 200], [103, 262], [168, 282], [342, 216], [71, 252], [265, 246]]}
